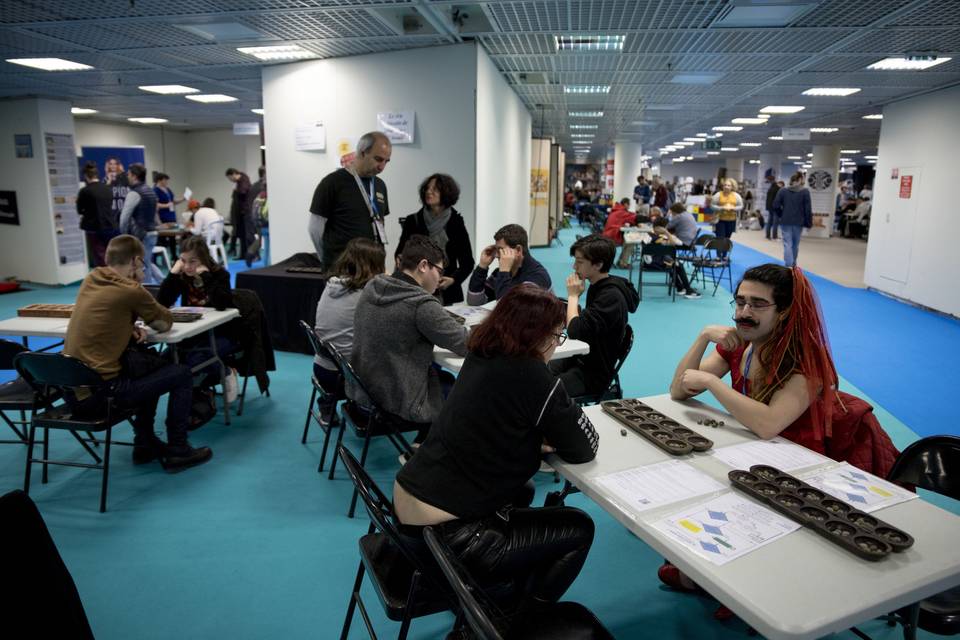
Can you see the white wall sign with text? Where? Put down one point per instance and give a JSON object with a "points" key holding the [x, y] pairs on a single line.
{"points": [[796, 134], [397, 125], [310, 136]]}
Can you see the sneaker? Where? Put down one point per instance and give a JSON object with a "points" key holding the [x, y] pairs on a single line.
{"points": [[691, 294], [184, 456]]}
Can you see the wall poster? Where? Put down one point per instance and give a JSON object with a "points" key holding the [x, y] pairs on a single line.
{"points": [[397, 125], [823, 199], [9, 213], [64, 178], [112, 163]]}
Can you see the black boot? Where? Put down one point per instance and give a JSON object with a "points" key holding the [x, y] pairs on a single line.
{"points": [[182, 456], [148, 449]]}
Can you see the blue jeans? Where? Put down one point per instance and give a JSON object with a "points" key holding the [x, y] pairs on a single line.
{"points": [[771, 227], [142, 394], [152, 273], [791, 243]]}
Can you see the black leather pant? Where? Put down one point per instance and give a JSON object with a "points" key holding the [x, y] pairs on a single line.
{"points": [[541, 549]]}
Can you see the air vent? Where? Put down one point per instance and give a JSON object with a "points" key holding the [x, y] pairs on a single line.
{"points": [[531, 78], [761, 13]]}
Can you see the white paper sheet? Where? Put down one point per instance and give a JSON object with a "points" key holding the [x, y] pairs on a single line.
{"points": [[863, 490], [656, 485], [187, 193], [471, 315], [778, 452], [725, 528]]}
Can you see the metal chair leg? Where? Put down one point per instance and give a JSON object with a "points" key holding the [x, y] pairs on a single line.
{"points": [[363, 461], [106, 470], [26, 479], [333, 464], [326, 441], [243, 396], [306, 425], [353, 603], [46, 455]]}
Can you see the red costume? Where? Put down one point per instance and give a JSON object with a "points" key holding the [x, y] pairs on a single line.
{"points": [[619, 216]]}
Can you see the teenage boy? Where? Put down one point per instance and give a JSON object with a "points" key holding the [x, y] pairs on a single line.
{"points": [[601, 323], [515, 265], [109, 301]]}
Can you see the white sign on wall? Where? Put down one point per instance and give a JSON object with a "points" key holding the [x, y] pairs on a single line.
{"points": [[310, 136], [796, 134], [397, 125], [823, 200], [246, 128]]}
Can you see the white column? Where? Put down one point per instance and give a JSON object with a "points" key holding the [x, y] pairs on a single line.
{"points": [[735, 168], [768, 162], [826, 158], [627, 166]]}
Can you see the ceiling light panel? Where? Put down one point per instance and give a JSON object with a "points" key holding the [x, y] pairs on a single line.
{"points": [[911, 63], [586, 114], [781, 110], [210, 98], [80, 111], [873, 116], [751, 144], [830, 91], [50, 64], [589, 43], [168, 89], [823, 129], [278, 52], [775, 138], [727, 128], [583, 126], [148, 120], [586, 88], [749, 121], [259, 112], [729, 149]]}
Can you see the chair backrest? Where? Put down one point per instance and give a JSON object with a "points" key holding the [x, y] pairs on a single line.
{"points": [[56, 370], [654, 249], [719, 244], [380, 509], [311, 337], [350, 376], [474, 605], [703, 239], [932, 463], [8, 351], [213, 234], [626, 345]]}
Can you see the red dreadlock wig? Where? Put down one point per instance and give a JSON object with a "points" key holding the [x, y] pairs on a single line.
{"points": [[799, 344]]}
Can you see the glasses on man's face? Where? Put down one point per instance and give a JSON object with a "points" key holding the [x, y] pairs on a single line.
{"points": [[561, 338], [756, 305], [437, 267]]}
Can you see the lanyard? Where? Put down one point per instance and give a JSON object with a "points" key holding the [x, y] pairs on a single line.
{"points": [[746, 370], [376, 220]]}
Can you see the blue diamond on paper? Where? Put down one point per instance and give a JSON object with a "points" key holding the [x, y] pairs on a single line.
{"points": [[853, 497], [709, 528], [857, 475], [712, 548], [858, 487], [717, 515]]}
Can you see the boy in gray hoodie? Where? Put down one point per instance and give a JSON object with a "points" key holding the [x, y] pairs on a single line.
{"points": [[397, 323]]}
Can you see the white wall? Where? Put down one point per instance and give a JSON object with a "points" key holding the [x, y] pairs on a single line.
{"points": [[209, 154], [503, 140], [346, 94], [921, 133]]}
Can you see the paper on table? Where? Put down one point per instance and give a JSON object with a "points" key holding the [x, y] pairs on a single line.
{"points": [[725, 527], [863, 490], [187, 193], [777, 452], [472, 315], [656, 485]]}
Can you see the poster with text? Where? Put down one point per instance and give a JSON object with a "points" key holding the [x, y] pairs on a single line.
{"points": [[63, 175], [398, 125], [112, 163], [823, 199]]}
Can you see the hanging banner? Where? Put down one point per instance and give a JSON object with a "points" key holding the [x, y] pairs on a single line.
{"points": [[823, 199]]}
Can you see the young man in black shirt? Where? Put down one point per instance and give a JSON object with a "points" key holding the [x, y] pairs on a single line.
{"points": [[95, 206], [601, 323], [351, 202]]}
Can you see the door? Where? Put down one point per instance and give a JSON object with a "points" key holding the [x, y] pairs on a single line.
{"points": [[896, 218]]}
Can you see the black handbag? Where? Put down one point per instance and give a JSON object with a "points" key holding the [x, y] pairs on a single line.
{"points": [[138, 360]]}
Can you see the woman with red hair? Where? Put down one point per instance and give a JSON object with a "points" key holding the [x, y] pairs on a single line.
{"points": [[469, 477]]}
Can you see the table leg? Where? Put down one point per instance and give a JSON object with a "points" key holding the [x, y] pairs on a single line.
{"points": [[223, 376]]}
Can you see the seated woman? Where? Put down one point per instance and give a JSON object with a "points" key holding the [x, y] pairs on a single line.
{"points": [[360, 261], [198, 281], [468, 478]]}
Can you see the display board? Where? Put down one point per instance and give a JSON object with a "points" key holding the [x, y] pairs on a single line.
{"points": [[823, 199], [64, 180]]}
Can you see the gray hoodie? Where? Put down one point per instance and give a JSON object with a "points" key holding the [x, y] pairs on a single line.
{"points": [[396, 325], [335, 319]]}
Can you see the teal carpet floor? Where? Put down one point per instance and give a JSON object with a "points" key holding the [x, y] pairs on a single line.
{"points": [[256, 544]]}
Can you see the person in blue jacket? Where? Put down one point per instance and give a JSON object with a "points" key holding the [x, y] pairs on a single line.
{"points": [[793, 211]]}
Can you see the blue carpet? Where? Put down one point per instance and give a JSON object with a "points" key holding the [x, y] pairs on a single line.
{"points": [[255, 544]]}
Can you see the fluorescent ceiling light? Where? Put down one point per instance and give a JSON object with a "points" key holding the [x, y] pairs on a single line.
{"points": [[168, 89], [702, 135], [80, 111], [873, 116], [678, 159], [872, 161], [823, 129], [589, 43], [910, 63], [794, 157], [696, 78], [729, 149], [751, 144], [871, 157], [691, 140], [753, 161], [725, 128], [259, 112], [849, 150], [207, 98], [775, 138], [582, 135], [763, 116], [809, 155], [830, 91], [586, 114], [583, 126], [779, 109], [278, 52], [148, 120], [689, 157], [748, 121], [713, 153], [799, 164], [586, 88], [50, 64]]}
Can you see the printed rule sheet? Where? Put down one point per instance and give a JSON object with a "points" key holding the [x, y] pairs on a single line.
{"points": [[656, 485], [777, 452], [863, 490], [725, 527]]}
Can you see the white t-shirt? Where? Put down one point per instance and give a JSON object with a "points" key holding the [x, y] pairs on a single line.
{"points": [[209, 224]]}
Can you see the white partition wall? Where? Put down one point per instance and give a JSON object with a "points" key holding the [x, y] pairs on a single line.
{"points": [[503, 132], [912, 250]]}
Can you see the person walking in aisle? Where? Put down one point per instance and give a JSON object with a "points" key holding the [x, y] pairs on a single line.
{"points": [[792, 207]]}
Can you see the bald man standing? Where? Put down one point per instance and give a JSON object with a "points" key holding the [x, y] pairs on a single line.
{"points": [[351, 202]]}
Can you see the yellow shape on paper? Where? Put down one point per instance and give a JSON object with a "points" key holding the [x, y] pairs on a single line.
{"points": [[880, 492], [686, 524]]}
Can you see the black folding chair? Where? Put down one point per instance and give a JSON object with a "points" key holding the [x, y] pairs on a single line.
{"points": [[613, 390], [406, 587], [319, 394], [368, 422], [557, 621], [16, 396], [53, 374], [669, 255], [711, 260]]}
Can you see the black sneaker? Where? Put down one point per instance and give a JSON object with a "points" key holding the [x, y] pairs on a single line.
{"points": [[692, 294], [149, 451], [182, 457]]}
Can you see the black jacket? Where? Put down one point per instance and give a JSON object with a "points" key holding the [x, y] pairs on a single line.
{"points": [[459, 252], [216, 285], [253, 334], [601, 324], [771, 194], [95, 206]]}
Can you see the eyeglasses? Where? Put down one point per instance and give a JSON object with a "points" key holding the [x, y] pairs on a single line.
{"points": [[756, 305], [437, 267], [561, 338]]}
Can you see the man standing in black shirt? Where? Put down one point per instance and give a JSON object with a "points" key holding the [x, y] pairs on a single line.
{"points": [[352, 202], [772, 222], [241, 207], [95, 206]]}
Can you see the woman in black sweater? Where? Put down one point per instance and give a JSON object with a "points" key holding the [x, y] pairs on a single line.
{"points": [[439, 221], [505, 410]]}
